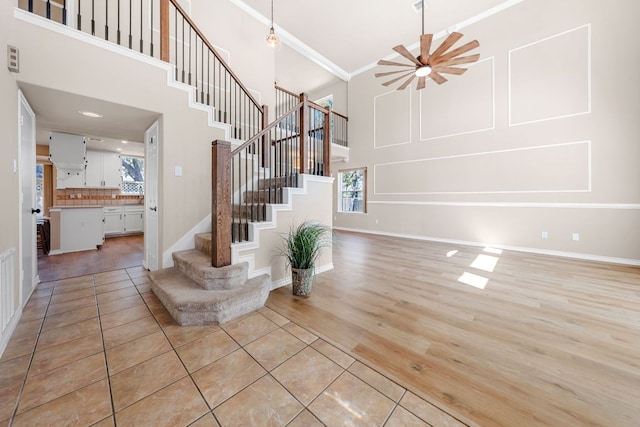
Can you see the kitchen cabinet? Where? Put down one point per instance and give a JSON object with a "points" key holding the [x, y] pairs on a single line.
{"points": [[133, 219], [81, 228], [120, 220], [103, 169], [113, 220], [69, 179]]}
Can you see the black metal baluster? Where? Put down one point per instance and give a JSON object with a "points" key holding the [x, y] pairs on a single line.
{"points": [[130, 24], [118, 32], [175, 18], [79, 16], [30, 6], [196, 67], [182, 48], [48, 9], [106, 20], [141, 42], [202, 71], [208, 75], [151, 29], [190, 49], [233, 204], [93, 19], [64, 12]]}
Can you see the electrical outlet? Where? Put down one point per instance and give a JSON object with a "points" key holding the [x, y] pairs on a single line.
{"points": [[376, 220], [545, 235], [575, 237]]}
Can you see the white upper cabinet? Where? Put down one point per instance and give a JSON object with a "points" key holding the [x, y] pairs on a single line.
{"points": [[103, 169]]}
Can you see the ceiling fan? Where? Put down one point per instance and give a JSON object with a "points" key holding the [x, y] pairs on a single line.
{"points": [[440, 61]]}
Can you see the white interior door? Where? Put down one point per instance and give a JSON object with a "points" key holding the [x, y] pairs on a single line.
{"points": [[151, 142], [27, 137]]}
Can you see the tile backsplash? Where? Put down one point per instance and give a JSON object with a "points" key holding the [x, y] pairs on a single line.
{"points": [[95, 196]]}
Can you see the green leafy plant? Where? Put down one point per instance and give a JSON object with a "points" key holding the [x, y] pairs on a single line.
{"points": [[302, 244]]}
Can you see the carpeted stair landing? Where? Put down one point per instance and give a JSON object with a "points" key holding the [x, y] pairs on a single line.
{"points": [[195, 293]]}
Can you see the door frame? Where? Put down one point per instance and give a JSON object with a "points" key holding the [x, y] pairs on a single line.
{"points": [[29, 245], [151, 234]]}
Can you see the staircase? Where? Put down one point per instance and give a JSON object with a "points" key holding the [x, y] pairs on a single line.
{"points": [[282, 154], [195, 293]]}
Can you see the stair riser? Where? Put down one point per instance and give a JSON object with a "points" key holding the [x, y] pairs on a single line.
{"points": [[251, 212], [262, 197], [206, 277]]}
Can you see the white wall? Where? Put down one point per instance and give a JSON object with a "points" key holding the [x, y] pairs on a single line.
{"points": [[540, 135], [9, 188]]}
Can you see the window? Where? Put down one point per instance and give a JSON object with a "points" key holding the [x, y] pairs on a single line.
{"points": [[132, 175], [40, 188], [353, 190]]}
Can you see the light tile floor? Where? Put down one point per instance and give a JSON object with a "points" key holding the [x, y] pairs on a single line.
{"points": [[101, 350]]}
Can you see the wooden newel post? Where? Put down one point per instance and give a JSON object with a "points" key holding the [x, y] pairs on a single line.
{"points": [[164, 30], [326, 145], [221, 203], [303, 132]]}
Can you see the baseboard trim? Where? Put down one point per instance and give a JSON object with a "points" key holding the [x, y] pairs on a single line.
{"points": [[561, 254], [287, 279], [8, 332]]}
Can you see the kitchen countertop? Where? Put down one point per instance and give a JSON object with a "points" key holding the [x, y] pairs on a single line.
{"points": [[94, 206], [76, 207]]}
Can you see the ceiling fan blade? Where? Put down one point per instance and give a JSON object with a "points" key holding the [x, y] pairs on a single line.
{"points": [[459, 51], [388, 73], [437, 77], [462, 60], [450, 70], [399, 64], [446, 44], [422, 82], [405, 84], [404, 52], [425, 47], [398, 78]]}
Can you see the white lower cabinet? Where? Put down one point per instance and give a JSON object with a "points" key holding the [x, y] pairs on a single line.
{"points": [[133, 219], [113, 220], [123, 220]]}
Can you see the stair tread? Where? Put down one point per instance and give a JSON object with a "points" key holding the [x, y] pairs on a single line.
{"points": [[189, 304]]}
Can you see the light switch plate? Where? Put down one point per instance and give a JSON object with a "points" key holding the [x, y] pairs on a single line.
{"points": [[178, 171]]}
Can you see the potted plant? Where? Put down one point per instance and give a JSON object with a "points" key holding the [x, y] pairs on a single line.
{"points": [[301, 247]]}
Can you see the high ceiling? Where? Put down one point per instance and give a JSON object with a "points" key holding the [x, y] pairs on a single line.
{"points": [[344, 37], [354, 34]]}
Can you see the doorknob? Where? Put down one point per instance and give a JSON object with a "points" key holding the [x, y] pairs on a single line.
{"points": [[35, 210], [155, 209]]}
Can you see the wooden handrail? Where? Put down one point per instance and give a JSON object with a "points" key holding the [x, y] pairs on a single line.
{"points": [[319, 107], [340, 115], [281, 89], [215, 53]]}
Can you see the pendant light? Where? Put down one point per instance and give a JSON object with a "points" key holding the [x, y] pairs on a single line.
{"points": [[272, 38]]}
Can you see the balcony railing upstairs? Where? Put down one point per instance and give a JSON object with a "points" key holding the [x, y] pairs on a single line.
{"points": [[163, 30], [250, 177], [285, 99]]}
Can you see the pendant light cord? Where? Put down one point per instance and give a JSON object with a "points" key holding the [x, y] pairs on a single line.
{"points": [[272, 13], [422, 15]]}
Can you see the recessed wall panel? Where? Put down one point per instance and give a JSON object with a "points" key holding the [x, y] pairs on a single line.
{"points": [[463, 105], [552, 168], [550, 78], [392, 118]]}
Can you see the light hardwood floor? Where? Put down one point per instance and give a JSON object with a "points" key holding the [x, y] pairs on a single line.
{"points": [[548, 341]]}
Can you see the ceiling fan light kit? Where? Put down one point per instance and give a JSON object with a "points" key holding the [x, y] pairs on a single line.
{"points": [[430, 64]]}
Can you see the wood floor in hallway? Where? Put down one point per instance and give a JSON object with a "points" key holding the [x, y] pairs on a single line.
{"points": [[492, 337], [116, 253]]}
